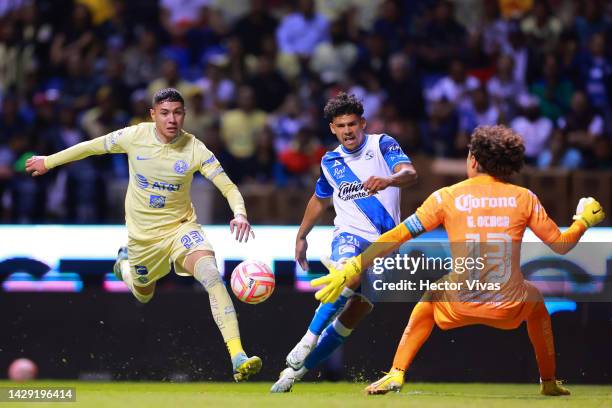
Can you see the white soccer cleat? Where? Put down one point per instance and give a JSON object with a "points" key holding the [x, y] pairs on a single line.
{"points": [[296, 357], [286, 379]]}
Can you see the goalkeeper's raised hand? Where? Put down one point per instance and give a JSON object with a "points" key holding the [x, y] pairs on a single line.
{"points": [[589, 211], [338, 277]]}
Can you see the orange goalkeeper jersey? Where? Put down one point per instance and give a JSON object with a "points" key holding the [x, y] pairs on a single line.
{"points": [[486, 217]]}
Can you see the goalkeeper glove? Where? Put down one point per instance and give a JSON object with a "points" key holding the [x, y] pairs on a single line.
{"points": [[589, 211], [337, 279]]}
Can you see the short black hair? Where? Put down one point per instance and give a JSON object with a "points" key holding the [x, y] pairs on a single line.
{"points": [[499, 150], [168, 95], [342, 104]]}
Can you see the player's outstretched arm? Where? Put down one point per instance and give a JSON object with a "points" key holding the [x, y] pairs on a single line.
{"points": [[39, 165], [340, 274], [315, 208], [588, 214], [427, 217], [240, 224], [404, 175]]}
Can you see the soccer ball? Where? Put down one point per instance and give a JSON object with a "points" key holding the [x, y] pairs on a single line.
{"points": [[22, 369], [252, 281]]}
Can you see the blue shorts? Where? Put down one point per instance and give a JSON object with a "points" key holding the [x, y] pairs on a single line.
{"points": [[346, 245]]}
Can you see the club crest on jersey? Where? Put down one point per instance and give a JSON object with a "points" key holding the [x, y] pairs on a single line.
{"points": [[180, 166], [369, 155], [351, 191]]}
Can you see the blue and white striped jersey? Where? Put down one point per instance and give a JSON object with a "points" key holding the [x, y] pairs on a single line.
{"points": [[342, 175]]}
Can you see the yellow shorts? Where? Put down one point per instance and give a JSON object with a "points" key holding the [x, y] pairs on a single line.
{"points": [[151, 260]]}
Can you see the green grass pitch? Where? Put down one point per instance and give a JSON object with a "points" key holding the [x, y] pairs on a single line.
{"points": [[316, 395]]}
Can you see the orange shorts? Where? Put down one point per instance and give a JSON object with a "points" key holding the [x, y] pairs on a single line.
{"points": [[510, 315]]}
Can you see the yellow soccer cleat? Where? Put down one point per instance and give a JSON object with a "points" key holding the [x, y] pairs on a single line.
{"points": [[553, 388], [244, 366], [392, 381]]}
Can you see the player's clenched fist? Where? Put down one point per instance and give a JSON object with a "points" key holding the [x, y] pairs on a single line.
{"points": [[36, 165], [376, 183], [589, 211]]}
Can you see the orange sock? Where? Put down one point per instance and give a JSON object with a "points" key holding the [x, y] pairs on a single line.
{"points": [[415, 334], [541, 336]]}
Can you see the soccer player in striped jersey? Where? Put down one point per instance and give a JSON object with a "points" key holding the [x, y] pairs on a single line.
{"points": [[363, 177]]}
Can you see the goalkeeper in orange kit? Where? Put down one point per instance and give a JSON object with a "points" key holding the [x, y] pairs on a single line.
{"points": [[465, 210]]}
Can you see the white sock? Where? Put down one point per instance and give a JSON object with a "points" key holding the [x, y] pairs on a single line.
{"points": [[310, 338], [347, 292], [129, 281], [341, 329], [301, 373], [126, 275]]}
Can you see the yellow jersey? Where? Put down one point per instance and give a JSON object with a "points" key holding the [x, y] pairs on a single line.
{"points": [[158, 198]]}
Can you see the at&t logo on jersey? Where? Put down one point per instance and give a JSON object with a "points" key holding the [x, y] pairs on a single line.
{"points": [[142, 182], [351, 191], [160, 185], [468, 202]]}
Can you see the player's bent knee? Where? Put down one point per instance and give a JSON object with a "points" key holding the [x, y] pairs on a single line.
{"points": [[144, 294], [355, 310], [365, 305], [143, 298], [206, 272], [192, 259]]}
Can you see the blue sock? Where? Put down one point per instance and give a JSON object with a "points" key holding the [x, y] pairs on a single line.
{"points": [[326, 312], [334, 335]]}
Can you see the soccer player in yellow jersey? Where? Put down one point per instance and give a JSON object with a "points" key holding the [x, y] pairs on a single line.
{"points": [[160, 218], [496, 152]]}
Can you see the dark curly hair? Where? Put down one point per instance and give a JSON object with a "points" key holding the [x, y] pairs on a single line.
{"points": [[498, 150], [342, 104]]}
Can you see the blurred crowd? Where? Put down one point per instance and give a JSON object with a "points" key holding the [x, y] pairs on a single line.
{"points": [[256, 75]]}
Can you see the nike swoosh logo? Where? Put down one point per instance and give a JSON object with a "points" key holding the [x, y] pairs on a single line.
{"points": [[142, 158], [595, 212]]}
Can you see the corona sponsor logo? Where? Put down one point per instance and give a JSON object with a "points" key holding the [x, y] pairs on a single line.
{"points": [[468, 202]]}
